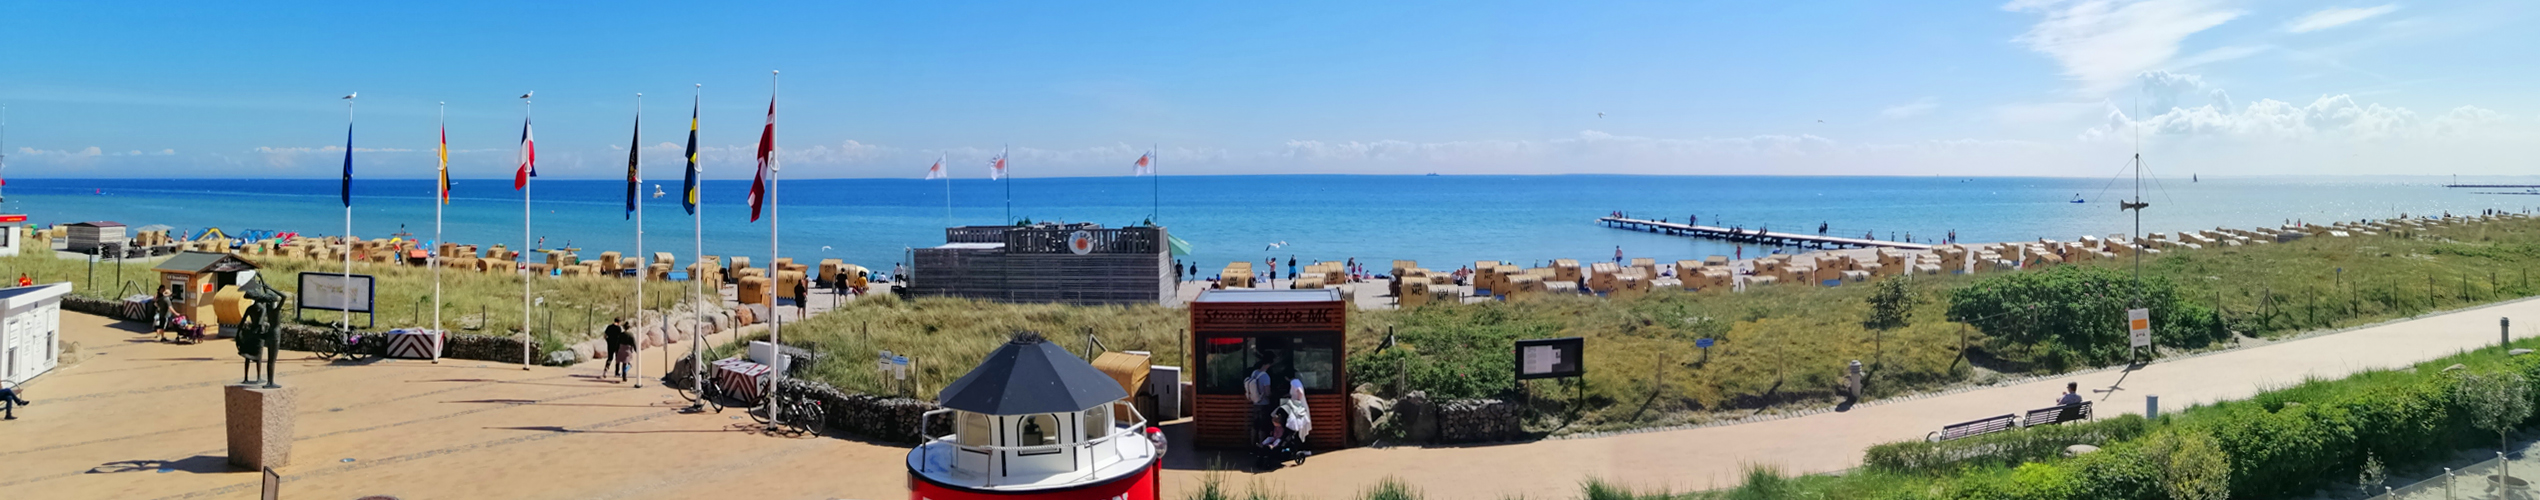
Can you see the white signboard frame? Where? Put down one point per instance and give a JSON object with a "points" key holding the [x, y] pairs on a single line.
{"points": [[354, 293], [2138, 327]]}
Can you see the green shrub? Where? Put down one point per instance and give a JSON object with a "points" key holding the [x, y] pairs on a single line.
{"points": [[2192, 466], [1390, 488], [1764, 483], [2000, 449], [1600, 489], [2116, 472], [2069, 316]]}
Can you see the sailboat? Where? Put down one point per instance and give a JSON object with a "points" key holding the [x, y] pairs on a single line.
{"points": [[2077, 198]]}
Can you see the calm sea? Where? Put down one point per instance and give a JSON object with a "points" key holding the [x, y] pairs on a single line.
{"points": [[1442, 221]]}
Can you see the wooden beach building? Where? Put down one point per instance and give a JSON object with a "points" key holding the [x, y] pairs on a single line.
{"points": [[1071, 263], [95, 236], [1302, 334], [200, 280]]}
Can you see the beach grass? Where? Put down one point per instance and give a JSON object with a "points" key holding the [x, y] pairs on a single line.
{"points": [[471, 302]]}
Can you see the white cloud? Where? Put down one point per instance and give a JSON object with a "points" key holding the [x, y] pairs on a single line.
{"points": [[2103, 44], [2336, 16], [2328, 119], [1909, 110]]}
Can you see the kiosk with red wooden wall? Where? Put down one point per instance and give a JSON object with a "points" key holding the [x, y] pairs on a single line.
{"points": [[1303, 334]]}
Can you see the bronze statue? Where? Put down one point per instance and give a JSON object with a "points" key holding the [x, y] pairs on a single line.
{"points": [[260, 332]]}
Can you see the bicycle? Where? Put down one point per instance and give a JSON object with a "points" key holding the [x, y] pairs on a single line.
{"points": [[354, 347], [798, 413]]}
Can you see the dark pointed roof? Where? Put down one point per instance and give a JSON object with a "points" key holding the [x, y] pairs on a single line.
{"points": [[200, 262], [1029, 375]]}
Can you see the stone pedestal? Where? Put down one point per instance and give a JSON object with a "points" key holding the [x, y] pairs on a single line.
{"points": [[260, 422]]}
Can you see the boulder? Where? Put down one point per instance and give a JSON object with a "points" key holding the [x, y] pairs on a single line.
{"points": [[2078, 450], [1371, 409], [1419, 417]]}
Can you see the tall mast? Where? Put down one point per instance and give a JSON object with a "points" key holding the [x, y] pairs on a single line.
{"points": [[640, 257]]}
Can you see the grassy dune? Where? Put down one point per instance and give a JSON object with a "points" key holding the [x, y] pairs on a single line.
{"points": [[577, 304]]}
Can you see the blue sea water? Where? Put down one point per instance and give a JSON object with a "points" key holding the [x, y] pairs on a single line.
{"points": [[1441, 221]]}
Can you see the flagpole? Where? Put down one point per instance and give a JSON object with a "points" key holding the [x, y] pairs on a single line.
{"points": [[1004, 155], [526, 111], [441, 194], [939, 165], [345, 320], [1156, 189], [635, 152], [696, 308], [775, 320]]}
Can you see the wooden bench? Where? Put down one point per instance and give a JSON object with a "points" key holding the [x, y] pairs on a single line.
{"points": [[1977, 427], [2057, 414]]}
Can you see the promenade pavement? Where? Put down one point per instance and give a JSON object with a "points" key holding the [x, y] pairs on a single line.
{"points": [[139, 419]]}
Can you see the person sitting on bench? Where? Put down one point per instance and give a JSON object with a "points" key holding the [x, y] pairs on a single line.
{"points": [[2072, 394]]}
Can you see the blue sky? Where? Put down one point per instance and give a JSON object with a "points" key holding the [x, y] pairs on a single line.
{"points": [[880, 89]]}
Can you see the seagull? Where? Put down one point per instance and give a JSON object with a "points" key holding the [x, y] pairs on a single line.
{"points": [[526, 96], [1600, 114], [349, 96], [824, 248], [1275, 246], [657, 192]]}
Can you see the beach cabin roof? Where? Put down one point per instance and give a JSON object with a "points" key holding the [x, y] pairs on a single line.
{"points": [[203, 262], [153, 227], [1027, 376], [33, 293], [97, 223]]}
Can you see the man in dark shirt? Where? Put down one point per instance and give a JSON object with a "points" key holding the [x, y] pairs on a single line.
{"points": [[620, 345], [2072, 394]]}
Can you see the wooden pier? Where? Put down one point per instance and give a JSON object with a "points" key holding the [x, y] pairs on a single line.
{"points": [[1772, 238]]}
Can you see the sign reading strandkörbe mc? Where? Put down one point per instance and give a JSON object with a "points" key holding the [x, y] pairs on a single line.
{"points": [[2138, 325], [336, 292]]}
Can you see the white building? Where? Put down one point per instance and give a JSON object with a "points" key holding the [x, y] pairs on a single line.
{"points": [[31, 331], [10, 236]]}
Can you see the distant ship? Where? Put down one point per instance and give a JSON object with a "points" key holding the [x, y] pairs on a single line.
{"points": [[1433, 174]]}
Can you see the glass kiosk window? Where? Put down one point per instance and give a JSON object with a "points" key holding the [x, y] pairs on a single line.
{"points": [[1228, 360]]}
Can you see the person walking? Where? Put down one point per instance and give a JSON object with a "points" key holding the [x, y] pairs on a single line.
{"points": [[1618, 254], [1257, 391], [1292, 267], [162, 310], [10, 401], [621, 346]]}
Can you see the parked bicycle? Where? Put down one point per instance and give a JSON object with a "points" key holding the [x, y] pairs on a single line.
{"points": [[797, 412], [350, 346]]}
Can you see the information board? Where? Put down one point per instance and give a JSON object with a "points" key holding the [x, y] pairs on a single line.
{"points": [[1551, 358], [337, 292], [2138, 324]]}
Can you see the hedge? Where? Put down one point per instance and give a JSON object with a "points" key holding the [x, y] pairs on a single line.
{"points": [[2287, 442], [2001, 449]]}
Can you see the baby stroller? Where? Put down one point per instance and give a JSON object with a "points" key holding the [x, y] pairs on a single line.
{"points": [[186, 331], [1289, 423]]}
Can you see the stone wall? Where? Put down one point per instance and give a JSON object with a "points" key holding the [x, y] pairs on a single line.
{"points": [[498, 349], [1478, 421], [886, 419], [100, 307]]}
